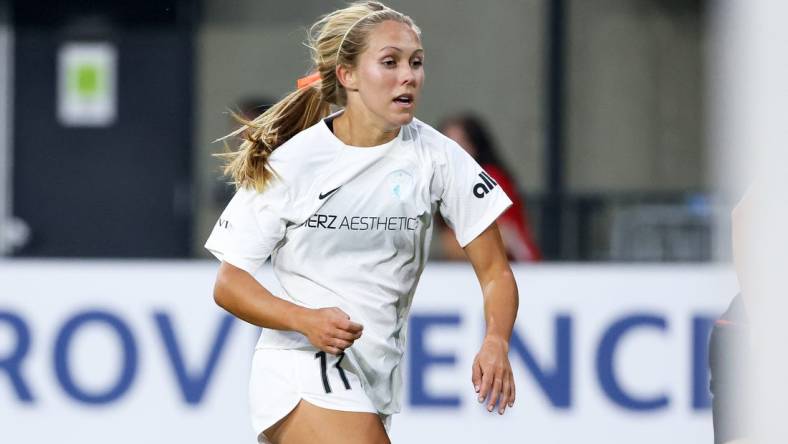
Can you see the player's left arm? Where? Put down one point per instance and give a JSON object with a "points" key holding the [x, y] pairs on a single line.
{"points": [[492, 373]]}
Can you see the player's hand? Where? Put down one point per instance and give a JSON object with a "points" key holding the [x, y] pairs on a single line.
{"points": [[330, 329], [492, 374]]}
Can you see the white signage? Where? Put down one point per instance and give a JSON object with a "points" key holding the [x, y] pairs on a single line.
{"points": [[133, 352], [86, 89]]}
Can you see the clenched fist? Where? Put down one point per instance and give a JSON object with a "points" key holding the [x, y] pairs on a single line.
{"points": [[330, 329]]}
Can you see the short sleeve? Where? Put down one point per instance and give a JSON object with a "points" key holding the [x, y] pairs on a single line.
{"points": [[470, 200], [249, 228]]}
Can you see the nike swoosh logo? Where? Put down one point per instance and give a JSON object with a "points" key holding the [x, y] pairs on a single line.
{"points": [[324, 195]]}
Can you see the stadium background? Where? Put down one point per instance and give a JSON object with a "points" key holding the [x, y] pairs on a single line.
{"points": [[602, 109]]}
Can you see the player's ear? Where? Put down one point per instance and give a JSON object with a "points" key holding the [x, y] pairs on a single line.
{"points": [[347, 77]]}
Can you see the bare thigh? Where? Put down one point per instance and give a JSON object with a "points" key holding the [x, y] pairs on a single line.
{"points": [[308, 424]]}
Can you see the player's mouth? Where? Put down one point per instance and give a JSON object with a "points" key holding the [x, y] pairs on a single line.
{"points": [[404, 101]]}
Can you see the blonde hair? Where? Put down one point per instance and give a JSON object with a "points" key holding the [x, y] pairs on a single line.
{"points": [[336, 39]]}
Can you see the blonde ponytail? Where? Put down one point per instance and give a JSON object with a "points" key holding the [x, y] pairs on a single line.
{"points": [[248, 166]]}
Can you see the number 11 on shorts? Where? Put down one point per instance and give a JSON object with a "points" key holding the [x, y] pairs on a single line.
{"points": [[323, 371]]}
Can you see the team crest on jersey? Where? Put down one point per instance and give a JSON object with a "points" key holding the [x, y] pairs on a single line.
{"points": [[400, 183]]}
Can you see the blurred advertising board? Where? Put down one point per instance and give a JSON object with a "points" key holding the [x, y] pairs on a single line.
{"points": [[138, 352]]}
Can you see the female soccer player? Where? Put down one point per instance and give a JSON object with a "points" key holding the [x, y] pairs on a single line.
{"points": [[343, 205]]}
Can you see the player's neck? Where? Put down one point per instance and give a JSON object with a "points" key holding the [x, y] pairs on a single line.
{"points": [[357, 129]]}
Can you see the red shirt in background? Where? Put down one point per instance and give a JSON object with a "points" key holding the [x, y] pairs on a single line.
{"points": [[513, 223]]}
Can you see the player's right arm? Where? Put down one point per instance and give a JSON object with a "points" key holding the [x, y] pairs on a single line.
{"points": [[328, 329], [248, 231]]}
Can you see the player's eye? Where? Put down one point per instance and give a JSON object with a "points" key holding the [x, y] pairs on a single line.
{"points": [[417, 63], [389, 63]]}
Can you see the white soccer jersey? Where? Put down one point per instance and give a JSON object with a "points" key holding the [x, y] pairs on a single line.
{"points": [[350, 227]]}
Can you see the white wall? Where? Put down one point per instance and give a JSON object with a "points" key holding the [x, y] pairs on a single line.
{"points": [[635, 110]]}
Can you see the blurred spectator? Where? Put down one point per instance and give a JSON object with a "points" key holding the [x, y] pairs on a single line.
{"points": [[470, 133]]}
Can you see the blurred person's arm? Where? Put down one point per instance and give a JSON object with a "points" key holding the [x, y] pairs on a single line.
{"points": [[741, 242], [728, 344], [492, 372], [729, 361]]}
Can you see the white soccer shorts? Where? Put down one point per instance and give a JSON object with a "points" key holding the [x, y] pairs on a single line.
{"points": [[280, 378]]}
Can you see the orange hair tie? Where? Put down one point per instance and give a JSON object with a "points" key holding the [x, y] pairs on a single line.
{"points": [[303, 82]]}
